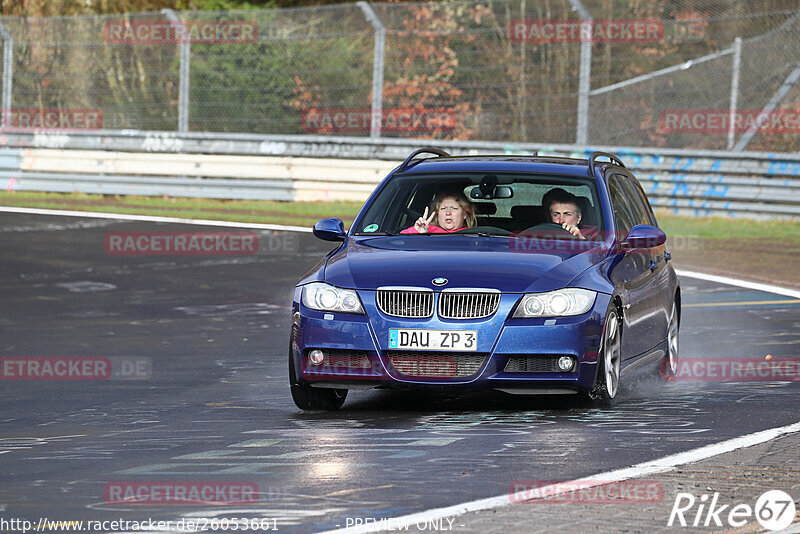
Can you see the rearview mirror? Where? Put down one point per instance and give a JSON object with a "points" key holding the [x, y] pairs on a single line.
{"points": [[503, 191], [489, 192], [329, 229]]}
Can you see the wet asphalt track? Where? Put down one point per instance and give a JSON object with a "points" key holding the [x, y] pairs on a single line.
{"points": [[216, 407]]}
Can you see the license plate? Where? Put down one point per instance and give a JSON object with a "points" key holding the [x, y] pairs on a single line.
{"points": [[456, 340]]}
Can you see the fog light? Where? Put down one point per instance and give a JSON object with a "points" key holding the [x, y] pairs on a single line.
{"points": [[566, 363], [315, 357]]}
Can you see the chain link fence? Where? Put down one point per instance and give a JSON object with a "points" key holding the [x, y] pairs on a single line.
{"points": [[601, 72]]}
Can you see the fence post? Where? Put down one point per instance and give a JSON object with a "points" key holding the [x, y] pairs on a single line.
{"points": [[8, 74], [737, 65], [377, 68], [584, 78], [185, 58]]}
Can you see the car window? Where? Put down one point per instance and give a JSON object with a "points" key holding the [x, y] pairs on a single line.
{"points": [[404, 199], [645, 203], [622, 205], [637, 202]]}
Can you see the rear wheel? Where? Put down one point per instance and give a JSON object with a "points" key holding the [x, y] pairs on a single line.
{"points": [[606, 385]]}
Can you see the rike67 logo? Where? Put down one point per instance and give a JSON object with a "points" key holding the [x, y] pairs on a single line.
{"points": [[774, 510]]}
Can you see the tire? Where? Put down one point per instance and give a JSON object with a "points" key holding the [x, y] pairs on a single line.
{"points": [[606, 384], [308, 398], [669, 367]]}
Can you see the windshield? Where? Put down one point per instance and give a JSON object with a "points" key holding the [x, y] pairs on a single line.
{"points": [[501, 205]]}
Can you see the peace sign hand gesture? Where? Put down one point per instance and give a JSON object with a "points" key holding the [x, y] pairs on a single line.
{"points": [[423, 222]]}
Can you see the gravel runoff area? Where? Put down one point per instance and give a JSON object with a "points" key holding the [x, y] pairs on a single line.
{"points": [[765, 261], [739, 477]]}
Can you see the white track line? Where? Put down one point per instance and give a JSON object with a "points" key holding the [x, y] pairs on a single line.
{"points": [[767, 288], [204, 222], [152, 218], [653, 467]]}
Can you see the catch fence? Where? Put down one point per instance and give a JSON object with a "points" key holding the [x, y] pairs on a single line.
{"points": [[718, 75]]}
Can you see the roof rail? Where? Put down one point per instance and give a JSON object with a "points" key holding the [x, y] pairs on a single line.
{"points": [[614, 160], [424, 150]]}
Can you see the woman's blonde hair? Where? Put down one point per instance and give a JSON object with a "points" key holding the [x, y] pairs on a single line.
{"points": [[462, 200]]}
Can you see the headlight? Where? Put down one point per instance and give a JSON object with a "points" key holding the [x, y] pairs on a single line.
{"points": [[559, 303], [325, 297]]}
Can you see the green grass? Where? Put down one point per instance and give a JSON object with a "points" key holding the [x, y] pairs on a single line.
{"points": [[306, 213], [721, 228], [260, 211]]}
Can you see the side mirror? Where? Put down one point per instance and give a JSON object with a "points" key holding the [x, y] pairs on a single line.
{"points": [[644, 236], [330, 229]]}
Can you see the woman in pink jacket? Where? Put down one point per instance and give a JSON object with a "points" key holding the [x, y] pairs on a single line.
{"points": [[452, 211]]}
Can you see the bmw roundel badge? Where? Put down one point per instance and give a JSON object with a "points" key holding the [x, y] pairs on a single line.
{"points": [[439, 281]]}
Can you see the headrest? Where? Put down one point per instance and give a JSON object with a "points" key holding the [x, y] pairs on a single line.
{"points": [[529, 215]]}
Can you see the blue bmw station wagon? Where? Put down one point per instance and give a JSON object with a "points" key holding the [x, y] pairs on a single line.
{"points": [[523, 274]]}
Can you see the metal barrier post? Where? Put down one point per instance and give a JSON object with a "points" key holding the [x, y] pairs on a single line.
{"points": [[584, 80], [185, 58], [776, 99], [8, 73], [737, 65], [377, 68]]}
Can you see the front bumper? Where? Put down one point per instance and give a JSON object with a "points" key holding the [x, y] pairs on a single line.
{"points": [[513, 355]]}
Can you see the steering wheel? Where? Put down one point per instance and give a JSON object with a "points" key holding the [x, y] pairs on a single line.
{"points": [[549, 228]]}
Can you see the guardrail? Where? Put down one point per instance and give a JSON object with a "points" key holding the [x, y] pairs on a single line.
{"points": [[238, 166]]}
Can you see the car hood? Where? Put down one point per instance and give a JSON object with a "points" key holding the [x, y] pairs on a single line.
{"points": [[507, 264]]}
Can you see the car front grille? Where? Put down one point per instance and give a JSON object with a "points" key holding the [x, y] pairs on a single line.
{"points": [[398, 302], [468, 304], [455, 304], [421, 364], [544, 363]]}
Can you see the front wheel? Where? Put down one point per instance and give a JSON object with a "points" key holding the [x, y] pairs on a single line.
{"points": [[669, 367], [606, 385], [308, 398]]}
